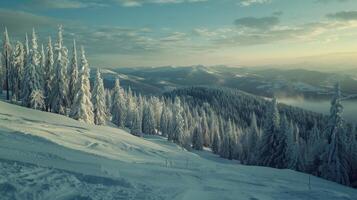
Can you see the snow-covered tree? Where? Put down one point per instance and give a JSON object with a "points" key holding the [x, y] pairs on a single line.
{"points": [[148, 121], [6, 55], [269, 141], [136, 128], [98, 100], [314, 148], [130, 107], [205, 130], [216, 142], [164, 121], [253, 141], [197, 139], [335, 166], [26, 48], [41, 66], [31, 81], [296, 149], [48, 75], [59, 97], [73, 75], [82, 107], [178, 122], [17, 70], [227, 148], [118, 105], [37, 100], [108, 102]]}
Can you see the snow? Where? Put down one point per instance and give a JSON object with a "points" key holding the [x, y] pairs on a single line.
{"points": [[49, 156]]}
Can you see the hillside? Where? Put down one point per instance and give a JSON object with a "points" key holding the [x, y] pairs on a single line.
{"points": [[48, 156], [239, 105]]}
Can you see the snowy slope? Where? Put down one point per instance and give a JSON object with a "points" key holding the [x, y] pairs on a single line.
{"points": [[48, 156]]}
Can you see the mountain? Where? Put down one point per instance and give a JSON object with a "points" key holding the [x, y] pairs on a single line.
{"points": [[259, 81], [49, 156]]}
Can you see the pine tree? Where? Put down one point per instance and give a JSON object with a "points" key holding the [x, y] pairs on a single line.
{"points": [[48, 75], [228, 145], [216, 142], [99, 101], [17, 71], [73, 75], [6, 54], [59, 97], [108, 102], [253, 141], [148, 123], [197, 139], [205, 130], [269, 146], [335, 166], [27, 48], [130, 107], [118, 106], [280, 157], [82, 108], [315, 147], [37, 100], [136, 128], [41, 67], [296, 153], [31, 80], [178, 122], [164, 121]]}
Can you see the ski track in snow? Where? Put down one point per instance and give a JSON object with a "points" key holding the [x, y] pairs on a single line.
{"points": [[48, 156]]}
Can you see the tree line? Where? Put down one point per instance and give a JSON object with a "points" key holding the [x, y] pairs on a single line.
{"points": [[52, 79]]}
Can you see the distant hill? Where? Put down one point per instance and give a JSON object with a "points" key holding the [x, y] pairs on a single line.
{"points": [[259, 81]]}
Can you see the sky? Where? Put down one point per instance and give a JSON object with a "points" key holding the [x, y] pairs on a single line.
{"points": [[126, 33]]}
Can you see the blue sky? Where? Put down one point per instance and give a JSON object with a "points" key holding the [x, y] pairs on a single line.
{"points": [[119, 33]]}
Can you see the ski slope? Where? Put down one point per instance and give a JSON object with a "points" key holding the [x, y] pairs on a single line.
{"points": [[49, 156]]}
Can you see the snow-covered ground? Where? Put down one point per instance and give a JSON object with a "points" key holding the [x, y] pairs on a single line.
{"points": [[48, 156]]}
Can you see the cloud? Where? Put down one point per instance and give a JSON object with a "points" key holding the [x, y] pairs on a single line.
{"points": [[19, 22], [134, 3], [343, 15], [330, 1], [252, 2], [257, 22], [64, 4]]}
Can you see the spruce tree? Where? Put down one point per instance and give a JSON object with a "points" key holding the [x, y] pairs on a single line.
{"points": [[148, 123], [197, 139], [178, 122], [59, 95], [335, 166], [17, 70], [31, 80], [269, 142], [216, 142], [118, 106], [164, 121], [48, 75], [108, 102], [253, 141], [6, 55], [41, 67], [136, 128], [82, 107], [98, 101], [73, 75]]}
